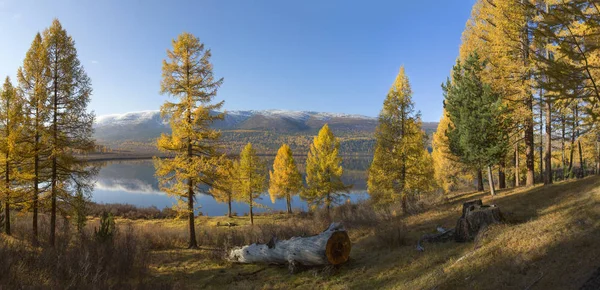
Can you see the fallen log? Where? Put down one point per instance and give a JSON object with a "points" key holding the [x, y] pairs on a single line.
{"points": [[331, 247], [442, 235], [476, 217]]}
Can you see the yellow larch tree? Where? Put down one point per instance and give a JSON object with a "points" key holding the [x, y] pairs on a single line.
{"points": [[402, 166], [285, 180], [187, 76], [449, 172]]}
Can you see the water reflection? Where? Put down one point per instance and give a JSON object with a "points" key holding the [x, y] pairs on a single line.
{"points": [[133, 182]]}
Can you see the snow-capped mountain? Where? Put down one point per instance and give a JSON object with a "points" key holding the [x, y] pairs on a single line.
{"points": [[144, 125]]}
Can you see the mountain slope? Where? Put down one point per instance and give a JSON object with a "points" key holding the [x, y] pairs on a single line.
{"points": [[268, 129]]}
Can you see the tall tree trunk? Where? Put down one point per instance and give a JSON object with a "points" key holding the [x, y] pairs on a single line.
{"points": [[229, 205], [7, 196], [581, 172], [491, 180], [562, 146], [251, 213], [517, 170], [548, 153], [7, 175], [190, 154], [597, 156], [289, 203], [541, 148], [36, 181], [573, 137], [529, 156], [479, 180], [192, 244], [529, 142], [501, 175], [54, 177]]}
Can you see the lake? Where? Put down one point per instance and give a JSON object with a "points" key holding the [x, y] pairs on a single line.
{"points": [[133, 182]]}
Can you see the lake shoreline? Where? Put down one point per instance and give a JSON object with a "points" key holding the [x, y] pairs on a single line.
{"points": [[104, 157]]}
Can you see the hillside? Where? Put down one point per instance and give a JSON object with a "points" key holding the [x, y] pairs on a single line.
{"points": [[549, 242], [268, 129]]}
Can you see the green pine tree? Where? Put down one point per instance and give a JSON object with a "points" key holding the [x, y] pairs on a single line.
{"points": [[477, 134]]}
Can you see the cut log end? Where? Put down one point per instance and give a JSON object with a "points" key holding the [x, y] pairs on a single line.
{"points": [[338, 248]]}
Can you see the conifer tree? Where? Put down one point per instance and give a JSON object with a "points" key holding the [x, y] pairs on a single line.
{"points": [[187, 76], [34, 79], [501, 32], [11, 141], [285, 180], [324, 171], [251, 179], [477, 133], [399, 168], [70, 124], [223, 188]]}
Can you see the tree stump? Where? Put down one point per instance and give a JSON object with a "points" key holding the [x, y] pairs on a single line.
{"points": [[475, 217], [331, 247]]}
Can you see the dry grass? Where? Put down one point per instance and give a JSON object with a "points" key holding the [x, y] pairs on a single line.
{"points": [[552, 233], [550, 242]]}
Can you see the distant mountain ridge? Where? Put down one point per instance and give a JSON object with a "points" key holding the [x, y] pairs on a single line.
{"points": [[269, 127]]}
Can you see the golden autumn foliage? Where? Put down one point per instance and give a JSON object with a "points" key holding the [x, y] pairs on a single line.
{"points": [[324, 171], [187, 76], [284, 180], [449, 172], [402, 166], [223, 188], [251, 178]]}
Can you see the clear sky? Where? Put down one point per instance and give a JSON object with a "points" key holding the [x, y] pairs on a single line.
{"points": [[317, 55]]}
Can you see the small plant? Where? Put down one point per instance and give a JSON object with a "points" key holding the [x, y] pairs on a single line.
{"points": [[107, 228]]}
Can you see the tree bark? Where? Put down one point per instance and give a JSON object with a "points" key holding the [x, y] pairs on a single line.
{"points": [[573, 137], [475, 218], [562, 146], [288, 199], [192, 244], [54, 149], [529, 142], [251, 213], [501, 175], [548, 153], [479, 180], [517, 175], [229, 205], [7, 196], [491, 180], [581, 173], [529, 156], [331, 247], [541, 148]]}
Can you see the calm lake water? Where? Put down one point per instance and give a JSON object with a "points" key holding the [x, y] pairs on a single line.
{"points": [[133, 182]]}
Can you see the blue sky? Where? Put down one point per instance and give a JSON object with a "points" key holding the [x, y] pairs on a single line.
{"points": [[330, 56]]}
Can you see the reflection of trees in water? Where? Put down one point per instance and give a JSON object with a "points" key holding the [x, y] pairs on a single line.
{"points": [[138, 175], [134, 175]]}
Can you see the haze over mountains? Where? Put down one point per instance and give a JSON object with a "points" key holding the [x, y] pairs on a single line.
{"points": [[268, 128]]}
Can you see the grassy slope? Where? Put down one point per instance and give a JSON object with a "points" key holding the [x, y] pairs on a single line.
{"points": [[553, 233]]}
